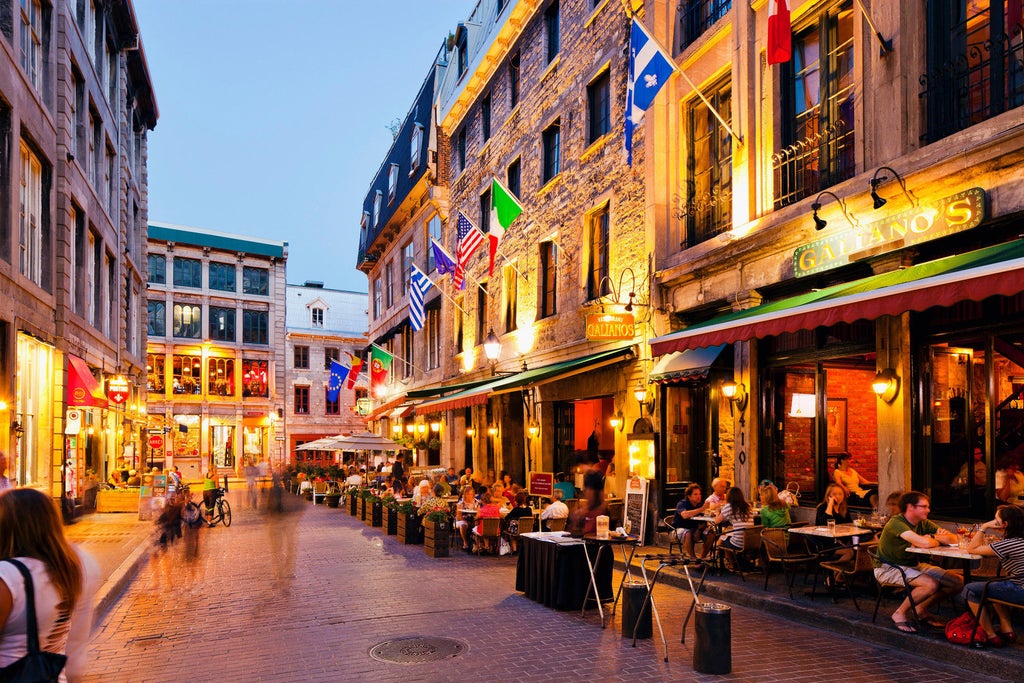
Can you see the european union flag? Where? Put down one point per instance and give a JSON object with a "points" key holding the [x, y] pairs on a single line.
{"points": [[443, 261], [338, 374]]}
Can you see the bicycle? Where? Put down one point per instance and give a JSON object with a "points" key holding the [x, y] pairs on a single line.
{"points": [[221, 510]]}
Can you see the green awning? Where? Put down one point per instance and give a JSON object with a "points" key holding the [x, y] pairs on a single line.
{"points": [[974, 276], [441, 390]]}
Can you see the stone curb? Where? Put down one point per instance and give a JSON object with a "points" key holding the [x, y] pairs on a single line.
{"points": [[113, 588]]}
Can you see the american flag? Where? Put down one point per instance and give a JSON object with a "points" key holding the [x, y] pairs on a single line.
{"points": [[470, 239]]}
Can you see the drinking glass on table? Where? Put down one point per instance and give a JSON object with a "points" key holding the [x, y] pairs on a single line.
{"points": [[831, 527]]}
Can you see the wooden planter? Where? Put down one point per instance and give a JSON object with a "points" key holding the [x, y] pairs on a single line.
{"points": [[436, 537], [409, 530], [332, 501], [391, 521], [362, 509], [377, 514], [353, 504]]}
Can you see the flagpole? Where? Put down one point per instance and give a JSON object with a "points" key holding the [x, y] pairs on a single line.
{"points": [[454, 302], [396, 356], [513, 267], [679, 70]]}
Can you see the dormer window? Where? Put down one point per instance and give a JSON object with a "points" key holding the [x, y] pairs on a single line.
{"points": [[415, 147], [377, 198], [317, 317], [392, 182]]}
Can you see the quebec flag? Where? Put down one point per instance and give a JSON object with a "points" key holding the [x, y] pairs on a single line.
{"points": [[649, 69]]}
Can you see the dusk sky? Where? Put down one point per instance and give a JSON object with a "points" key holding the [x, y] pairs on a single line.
{"points": [[274, 116]]}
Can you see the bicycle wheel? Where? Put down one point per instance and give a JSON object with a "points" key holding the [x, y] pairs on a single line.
{"points": [[224, 511]]}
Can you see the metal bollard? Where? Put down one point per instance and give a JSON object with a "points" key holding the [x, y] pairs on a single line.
{"points": [[634, 594], [712, 648]]}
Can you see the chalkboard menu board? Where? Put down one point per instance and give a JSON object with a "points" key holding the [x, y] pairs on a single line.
{"points": [[635, 509]]}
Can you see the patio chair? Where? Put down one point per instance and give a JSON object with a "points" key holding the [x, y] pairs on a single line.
{"points": [[860, 564], [673, 538], [746, 560], [986, 600], [791, 553], [319, 489], [557, 523], [490, 532], [524, 525], [902, 589]]}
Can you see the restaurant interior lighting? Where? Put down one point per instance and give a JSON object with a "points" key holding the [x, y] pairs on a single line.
{"points": [[875, 181], [802, 405], [886, 385], [617, 421], [819, 222]]}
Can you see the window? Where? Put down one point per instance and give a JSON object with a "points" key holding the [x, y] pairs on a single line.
{"points": [[485, 117], [30, 237], [513, 81], [220, 377], [187, 321], [697, 16], [415, 147], [597, 254], [331, 354], [377, 198], [300, 358], [316, 316], [187, 374], [551, 140], [156, 313], [92, 268], [254, 378], [155, 373], [389, 285], [111, 182], [332, 407], [514, 176], [599, 107], [481, 312], [551, 22], [157, 267], [708, 208], [301, 400], [255, 281], [460, 149], [32, 50], [817, 124], [188, 272], [485, 211], [378, 298], [460, 323], [547, 296], [76, 223], [510, 285], [408, 351], [222, 324], [222, 276], [433, 232], [90, 155], [408, 253], [433, 325], [974, 64], [462, 58], [255, 327], [392, 182]]}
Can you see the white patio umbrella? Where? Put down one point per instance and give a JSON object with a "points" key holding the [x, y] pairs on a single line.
{"points": [[365, 441]]}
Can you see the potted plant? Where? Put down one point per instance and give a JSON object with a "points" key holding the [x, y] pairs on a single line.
{"points": [[390, 514], [332, 498], [409, 529], [436, 527]]}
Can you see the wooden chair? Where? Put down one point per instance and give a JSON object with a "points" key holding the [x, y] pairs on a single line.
{"points": [[791, 553], [743, 561], [557, 523], [524, 526], [903, 589], [319, 489], [490, 532], [859, 565]]}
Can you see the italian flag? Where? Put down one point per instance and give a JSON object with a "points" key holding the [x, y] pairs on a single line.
{"points": [[505, 208], [380, 365]]}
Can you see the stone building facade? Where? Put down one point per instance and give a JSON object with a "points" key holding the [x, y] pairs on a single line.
{"points": [[215, 358], [323, 325], [76, 107]]}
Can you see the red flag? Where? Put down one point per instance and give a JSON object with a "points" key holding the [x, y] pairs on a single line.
{"points": [[353, 371], [780, 32]]}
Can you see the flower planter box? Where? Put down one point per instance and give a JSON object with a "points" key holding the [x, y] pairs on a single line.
{"points": [[391, 522], [436, 537], [362, 509], [409, 530], [377, 514], [353, 504]]}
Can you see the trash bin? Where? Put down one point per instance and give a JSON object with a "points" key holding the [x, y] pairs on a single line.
{"points": [[712, 648], [633, 596]]}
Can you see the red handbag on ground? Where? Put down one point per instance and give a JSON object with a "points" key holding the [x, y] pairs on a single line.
{"points": [[959, 630]]}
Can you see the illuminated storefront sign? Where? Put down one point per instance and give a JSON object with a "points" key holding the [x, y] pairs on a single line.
{"points": [[610, 326], [117, 389], [962, 211]]}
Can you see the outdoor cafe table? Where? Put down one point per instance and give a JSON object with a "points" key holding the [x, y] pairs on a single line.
{"points": [[949, 551], [842, 532], [630, 541], [553, 569]]}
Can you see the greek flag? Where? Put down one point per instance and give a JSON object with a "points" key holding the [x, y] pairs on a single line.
{"points": [[649, 69], [421, 284]]}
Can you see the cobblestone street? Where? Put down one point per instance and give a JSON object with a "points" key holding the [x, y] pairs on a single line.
{"points": [[306, 597]]}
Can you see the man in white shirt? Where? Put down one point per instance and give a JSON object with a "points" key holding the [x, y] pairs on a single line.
{"points": [[354, 479], [717, 498], [557, 509]]}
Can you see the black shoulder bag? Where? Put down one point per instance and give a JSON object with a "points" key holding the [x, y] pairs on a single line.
{"points": [[36, 666]]}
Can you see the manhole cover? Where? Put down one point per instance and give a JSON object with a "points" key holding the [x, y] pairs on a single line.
{"points": [[416, 649]]}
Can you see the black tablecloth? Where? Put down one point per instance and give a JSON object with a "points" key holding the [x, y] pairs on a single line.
{"points": [[556, 575]]}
